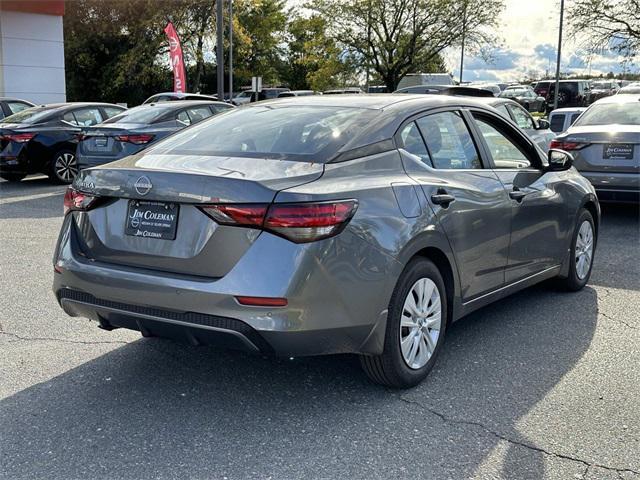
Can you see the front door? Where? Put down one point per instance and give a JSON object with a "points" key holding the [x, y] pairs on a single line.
{"points": [[469, 200], [538, 219]]}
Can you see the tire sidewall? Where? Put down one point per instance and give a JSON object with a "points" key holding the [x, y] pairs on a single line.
{"points": [[415, 270], [573, 281]]}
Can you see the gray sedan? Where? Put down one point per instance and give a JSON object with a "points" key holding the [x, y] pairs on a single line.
{"points": [[605, 141], [318, 225]]}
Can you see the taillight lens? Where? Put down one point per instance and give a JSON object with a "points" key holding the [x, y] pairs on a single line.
{"points": [[75, 200], [298, 222], [19, 137], [567, 146], [139, 139]]}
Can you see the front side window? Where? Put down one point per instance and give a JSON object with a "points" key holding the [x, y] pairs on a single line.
{"points": [[521, 117], [503, 111], [505, 153], [449, 141], [292, 132]]}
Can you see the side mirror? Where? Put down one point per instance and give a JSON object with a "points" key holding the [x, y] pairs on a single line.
{"points": [[559, 160], [543, 124]]}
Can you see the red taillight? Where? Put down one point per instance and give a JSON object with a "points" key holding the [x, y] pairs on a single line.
{"points": [[298, 222], [139, 139], [75, 200], [19, 137], [567, 146], [262, 301]]}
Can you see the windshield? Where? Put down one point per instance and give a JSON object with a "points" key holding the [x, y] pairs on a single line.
{"points": [[298, 133], [142, 114], [600, 85], [611, 114], [31, 115]]}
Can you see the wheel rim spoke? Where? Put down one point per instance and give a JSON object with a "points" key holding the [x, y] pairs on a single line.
{"points": [[420, 323], [584, 249]]}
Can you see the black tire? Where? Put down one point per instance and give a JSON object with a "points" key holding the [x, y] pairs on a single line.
{"points": [[390, 368], [12, 177], [59, 176], [543, 107], [573, 282]]}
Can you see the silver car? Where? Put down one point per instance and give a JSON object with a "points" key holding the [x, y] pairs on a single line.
{"points": [[605, 141], [317, 225]]}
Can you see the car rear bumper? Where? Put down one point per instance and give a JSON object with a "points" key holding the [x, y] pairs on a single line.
{"points": [[337, 303], [615, 187]]}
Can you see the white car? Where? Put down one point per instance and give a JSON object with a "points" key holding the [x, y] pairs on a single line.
{"points": [[562, 118]]}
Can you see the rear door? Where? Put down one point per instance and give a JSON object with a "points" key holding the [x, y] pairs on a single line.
{"points": [[468, 199], [538, 217]]}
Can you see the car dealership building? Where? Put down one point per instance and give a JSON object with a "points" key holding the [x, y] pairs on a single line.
{"points": [[32, 50]]}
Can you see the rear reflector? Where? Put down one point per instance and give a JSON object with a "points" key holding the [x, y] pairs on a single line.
{"points": [[262, 301], [298, 222], [567, 146], [75, 200], [139, 139], [19, 137]]}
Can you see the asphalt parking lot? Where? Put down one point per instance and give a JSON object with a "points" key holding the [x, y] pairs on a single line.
{"points": [[543, 384]]}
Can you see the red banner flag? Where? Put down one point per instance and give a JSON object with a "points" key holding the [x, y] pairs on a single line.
{"points": [[177, 63]]}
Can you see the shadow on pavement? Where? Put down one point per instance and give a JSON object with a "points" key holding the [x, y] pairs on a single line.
{"points": [[154, 409]]}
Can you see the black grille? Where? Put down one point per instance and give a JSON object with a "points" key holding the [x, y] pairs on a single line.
{"points": [[187, 317]]}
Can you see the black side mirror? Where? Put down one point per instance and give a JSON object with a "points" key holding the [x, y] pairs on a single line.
{"points": [[543, 124], [559, 160]]}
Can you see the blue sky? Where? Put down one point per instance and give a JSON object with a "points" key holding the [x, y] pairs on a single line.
{"points": [[529, 32]]}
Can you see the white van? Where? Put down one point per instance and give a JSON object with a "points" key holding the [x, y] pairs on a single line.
{"points": [[414, 79]]}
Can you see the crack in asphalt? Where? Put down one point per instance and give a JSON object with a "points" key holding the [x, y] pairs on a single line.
{"points": [[609, 317], [61, 340], [500, 436]]}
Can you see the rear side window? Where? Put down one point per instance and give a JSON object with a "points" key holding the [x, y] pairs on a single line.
{"points": [[557, 122], [574, 117], [449, 141], [84, 117], [112, 111], [16, 107], [197, 114], [412, 142]]}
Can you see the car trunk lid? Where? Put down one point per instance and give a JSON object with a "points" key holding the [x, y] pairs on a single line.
{"points": [[606, 148], [167, 185]]}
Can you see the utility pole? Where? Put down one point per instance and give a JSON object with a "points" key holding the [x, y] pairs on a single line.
{"points": [[464, 33], [556, 92], [219, 53], [230, 50]]}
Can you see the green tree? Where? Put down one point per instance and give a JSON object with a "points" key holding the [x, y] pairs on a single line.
{"points": [[395, 37]]}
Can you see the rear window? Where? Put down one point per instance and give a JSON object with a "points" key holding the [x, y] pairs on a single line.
{"points": [[298, 133], [32, 115], [557, 122], [611, 114], [143, 114]]}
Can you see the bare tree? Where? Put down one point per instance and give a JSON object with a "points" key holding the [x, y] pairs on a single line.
{"points": [[395, 37], [608, 24]]}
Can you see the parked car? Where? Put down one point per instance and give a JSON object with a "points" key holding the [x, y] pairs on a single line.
{"points": [[562, 118], [139, 127], [173, 96], [43, 139], [9, 106], [633, 88], [310, 226], [377, 89], [491, 87], [447, 90], [537, 129], [414, 79], [296, 93], [572, 93], [267, 93], [342, 91], [602, 88], [605, 142], [526, 97]]}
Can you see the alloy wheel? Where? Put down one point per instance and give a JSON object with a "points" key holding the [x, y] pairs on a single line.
{"points": [[420, 323], [66, 167], [584, 249]]}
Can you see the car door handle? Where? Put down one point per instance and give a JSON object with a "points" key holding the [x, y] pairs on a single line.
{"points": [[517, 195], [442, 198]]}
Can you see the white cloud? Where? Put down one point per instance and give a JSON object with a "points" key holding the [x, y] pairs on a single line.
{"points": [[529, 30]]}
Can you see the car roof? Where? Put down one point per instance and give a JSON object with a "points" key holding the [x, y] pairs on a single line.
{"points": [[626, 98], [11, 99], [568, 110], [495, 101], [80, 104], [183, 103]]}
